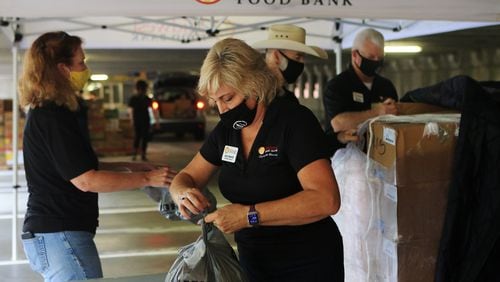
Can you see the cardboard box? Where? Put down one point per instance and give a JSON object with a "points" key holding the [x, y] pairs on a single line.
{"points": [[394, 197], [6, 105], [420, 108], [416, 167], [414, 152]]}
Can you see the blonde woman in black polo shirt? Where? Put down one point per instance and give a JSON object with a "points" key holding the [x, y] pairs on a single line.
{"points": [[274, 169]]}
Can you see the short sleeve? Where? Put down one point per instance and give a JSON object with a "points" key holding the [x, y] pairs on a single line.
{"points": [[305, 140], [210, 150], [385, 88], [392, 91], [71, 153], [334, 98]]}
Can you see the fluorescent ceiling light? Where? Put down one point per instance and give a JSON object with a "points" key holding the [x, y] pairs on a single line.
{"points": [[402, 49], [99, 77]]}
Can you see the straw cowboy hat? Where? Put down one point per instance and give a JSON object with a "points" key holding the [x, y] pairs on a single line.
{"points": [[289, 37]]}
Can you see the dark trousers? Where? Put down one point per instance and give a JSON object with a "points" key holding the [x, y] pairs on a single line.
{"points": [[142, 137]]}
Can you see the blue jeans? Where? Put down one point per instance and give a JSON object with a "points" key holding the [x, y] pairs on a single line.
{"points": [[63, 256]]}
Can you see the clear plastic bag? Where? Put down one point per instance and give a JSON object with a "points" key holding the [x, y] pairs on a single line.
{"points": [[210, 259]]}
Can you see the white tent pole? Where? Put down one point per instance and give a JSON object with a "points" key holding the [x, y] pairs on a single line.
{"points": [[337, 39], [15, 137], [338, 58]]}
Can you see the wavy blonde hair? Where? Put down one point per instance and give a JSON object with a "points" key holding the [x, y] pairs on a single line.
{"points": [[233, 63], [41, 81]]}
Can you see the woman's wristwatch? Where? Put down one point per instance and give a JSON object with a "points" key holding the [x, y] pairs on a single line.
{"points": [[253, 216]]}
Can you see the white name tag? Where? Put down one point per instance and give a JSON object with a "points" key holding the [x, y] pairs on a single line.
{"points": [[358, 97], [389, 136], [230, 154]]}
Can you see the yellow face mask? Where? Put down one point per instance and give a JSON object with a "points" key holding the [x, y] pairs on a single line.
{"points": [[79, 78]]}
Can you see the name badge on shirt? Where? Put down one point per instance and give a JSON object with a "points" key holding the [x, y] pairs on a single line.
{"points": [[230, 154], [358, 97]]}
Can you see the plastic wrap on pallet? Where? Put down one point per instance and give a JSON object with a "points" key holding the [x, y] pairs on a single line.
{"points": [[378, 197]]}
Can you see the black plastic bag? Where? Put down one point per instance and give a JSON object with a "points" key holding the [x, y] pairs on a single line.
{"points": [[209, 259]]}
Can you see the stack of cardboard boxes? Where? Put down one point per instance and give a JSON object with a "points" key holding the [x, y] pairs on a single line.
{"points": [[394, 207], [6, 135], [110, 135]]}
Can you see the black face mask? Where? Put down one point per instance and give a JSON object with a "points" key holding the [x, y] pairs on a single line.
{"points": [[369, 67], [293, 69], [238, 117]]}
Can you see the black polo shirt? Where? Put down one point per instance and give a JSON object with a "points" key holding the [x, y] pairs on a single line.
{"points": [[56, 150], [287, 94], [289, 139], [347, 93]]}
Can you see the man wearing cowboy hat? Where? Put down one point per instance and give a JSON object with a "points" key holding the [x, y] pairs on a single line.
{"points": [[285, 48], [358, 93]]}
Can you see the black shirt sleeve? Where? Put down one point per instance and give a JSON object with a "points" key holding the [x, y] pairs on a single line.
{"points": [[305, 139], [334, 98], [210, 149], [383, 88], [72, 155], [335, 101]]}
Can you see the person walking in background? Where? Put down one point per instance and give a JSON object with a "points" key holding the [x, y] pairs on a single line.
{"points": [[358, 93], [62, 171], [139, 111], [285, 49], [274, 169]]}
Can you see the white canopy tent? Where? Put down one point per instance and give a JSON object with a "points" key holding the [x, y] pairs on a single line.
{"points": [[197, 23], [193, 24], [455, 10]]}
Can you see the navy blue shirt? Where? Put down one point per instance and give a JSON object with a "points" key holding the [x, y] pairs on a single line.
{"points": [[56, 150]]}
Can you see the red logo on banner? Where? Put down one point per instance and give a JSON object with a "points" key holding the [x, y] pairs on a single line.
{"points": [[208, 2]]}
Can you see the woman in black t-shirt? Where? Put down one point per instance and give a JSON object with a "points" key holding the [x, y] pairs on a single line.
{"points": [[274, 169], [62, 170]]}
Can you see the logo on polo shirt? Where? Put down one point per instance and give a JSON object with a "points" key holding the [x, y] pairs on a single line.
{"points": [[239, 124], [267, 151]]}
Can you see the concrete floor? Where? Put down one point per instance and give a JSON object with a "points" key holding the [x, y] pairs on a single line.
{"points": [[133, 239]]}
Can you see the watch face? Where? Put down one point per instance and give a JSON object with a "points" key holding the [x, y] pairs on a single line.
{"points": [[253, 218]]}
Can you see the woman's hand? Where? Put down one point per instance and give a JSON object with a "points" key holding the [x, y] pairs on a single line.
{"points": [[160, 177], [229, 218], [191, 202]]}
